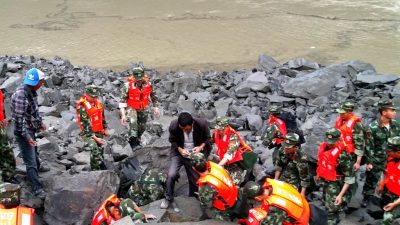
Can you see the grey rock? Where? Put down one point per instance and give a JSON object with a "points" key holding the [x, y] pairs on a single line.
{"points": [[376, 79], [13, 67], [279, 99], [255, 122], [124, 221], [318, 83], [267, 63], [73, 199], [11, 84], [302, 64], [82, 158]]}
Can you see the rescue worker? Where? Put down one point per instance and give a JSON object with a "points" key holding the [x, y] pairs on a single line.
{"points": [[7, 160], [135, 96], [335, 171], [217, 190], [292, 164], [93, 125], [377, 134], [230, 149], [389, 187], [275, 132], [114, 208], [148, 188], [352, 131], [281, 204], [10, 211]]}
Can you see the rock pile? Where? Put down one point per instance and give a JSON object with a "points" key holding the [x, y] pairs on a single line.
{"points": [[304, 88]]}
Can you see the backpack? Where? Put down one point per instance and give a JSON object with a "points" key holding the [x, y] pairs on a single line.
{"points": [[291, 125]]}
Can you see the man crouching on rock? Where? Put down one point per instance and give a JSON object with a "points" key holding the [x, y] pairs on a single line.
{"points": [[91, 120], [187, 135]]}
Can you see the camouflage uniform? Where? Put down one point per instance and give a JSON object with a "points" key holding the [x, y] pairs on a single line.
{"points": [[136, 120], [149, 188], [393, 144], [294, 168], [346, 174], [239, 210], [273, 132], [96, 150], [235, 170], [376, 154], [358, 140], [276, 216], [207, 196], [127, 208]]}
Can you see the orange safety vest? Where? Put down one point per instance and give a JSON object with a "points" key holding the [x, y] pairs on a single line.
{"points": [[17, 216], [95, 113], [392, 178], [281, 126], [219, 179], [223, 144], [2, 117], [256, 215], [139, 98], [101, 214], [347, 131], [287, 198], [327, 160]]}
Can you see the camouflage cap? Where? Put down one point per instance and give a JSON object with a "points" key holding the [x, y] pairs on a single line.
{"points": [[197, 158], [346, 107], [9, 194], [138, 73], [222, 122], [274, 109], [252, 189], [92, 90], [386, 104], [332, 135], [394, 144], [291, 140]]}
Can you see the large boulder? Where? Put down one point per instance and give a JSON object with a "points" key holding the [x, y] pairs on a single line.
{"points": [[73, 199], [267, 63]]}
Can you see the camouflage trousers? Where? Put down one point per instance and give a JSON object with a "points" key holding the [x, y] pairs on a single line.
{"points": [[331, 191], [236, 172], [143, 194], [137, 121], [372, 178], [127, 207], [7, 160], [96, 153]]}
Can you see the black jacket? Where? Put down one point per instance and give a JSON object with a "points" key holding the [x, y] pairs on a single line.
{"points": [[201, 134]]}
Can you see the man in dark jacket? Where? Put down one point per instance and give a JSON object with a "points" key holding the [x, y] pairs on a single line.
{"points": [[187, 135]]}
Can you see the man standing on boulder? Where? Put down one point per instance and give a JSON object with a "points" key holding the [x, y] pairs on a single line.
{"points": [[93, 125], [135, 96], [7, 160], [275, 132], [187, 135], [378, 133], [25, 113]]}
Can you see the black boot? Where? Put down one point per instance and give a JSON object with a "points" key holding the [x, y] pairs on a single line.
{"points": [[134, 142], [365, 201]]}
